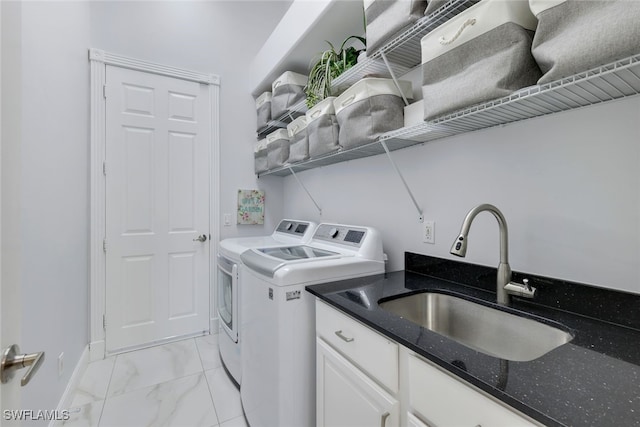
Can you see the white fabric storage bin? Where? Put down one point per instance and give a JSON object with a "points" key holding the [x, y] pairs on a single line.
{"points": [[575, 36], [277, 148], [322, 128], [263, 109], [481, 54], [298, 140], [414, 113], [369, 108], [287, 91], [387, 18], [260, 156]]}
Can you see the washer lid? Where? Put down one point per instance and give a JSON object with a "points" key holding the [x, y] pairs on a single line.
{"points": [[267, 261]]}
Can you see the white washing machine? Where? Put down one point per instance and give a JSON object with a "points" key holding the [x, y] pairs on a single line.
{"points": [[288, 232], [278, 318]]}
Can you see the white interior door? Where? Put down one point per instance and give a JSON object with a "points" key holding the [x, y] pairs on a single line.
{"points": [[157, 197]]}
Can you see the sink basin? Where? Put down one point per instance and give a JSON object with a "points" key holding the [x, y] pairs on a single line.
{"points": [[488, 330]]}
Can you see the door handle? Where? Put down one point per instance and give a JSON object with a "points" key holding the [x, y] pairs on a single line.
{"points": [[202, 238], [12, 361]]}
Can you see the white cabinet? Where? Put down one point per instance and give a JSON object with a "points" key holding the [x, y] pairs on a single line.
{"points": [[441, 400], [348, 397], [365, 379]]}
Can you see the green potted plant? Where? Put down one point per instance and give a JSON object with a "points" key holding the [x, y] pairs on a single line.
{"points": [[328, 66]]}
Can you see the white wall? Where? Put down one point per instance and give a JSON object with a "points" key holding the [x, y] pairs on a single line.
{"points": [[568, 185], [46, 184], [220, 37]]}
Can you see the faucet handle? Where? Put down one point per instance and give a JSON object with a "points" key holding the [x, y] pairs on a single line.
{"points": [[522, 290]]}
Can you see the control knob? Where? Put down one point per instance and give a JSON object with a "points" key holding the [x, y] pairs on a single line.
{"points": [[333, 233]]}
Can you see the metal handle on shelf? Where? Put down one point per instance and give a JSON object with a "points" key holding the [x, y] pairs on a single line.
{"points": [[13, 361], [346, 339], [383, 419], [202, 238]]}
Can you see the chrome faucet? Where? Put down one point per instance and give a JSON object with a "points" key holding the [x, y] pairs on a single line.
{"points": [[504, 285]]}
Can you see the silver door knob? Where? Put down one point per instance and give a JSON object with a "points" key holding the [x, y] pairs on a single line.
{"points": [[202, 238], [12, 361]]}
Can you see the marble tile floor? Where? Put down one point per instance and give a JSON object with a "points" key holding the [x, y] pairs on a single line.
{"points": [[181, 384]]}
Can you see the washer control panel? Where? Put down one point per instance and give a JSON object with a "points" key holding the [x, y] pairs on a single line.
{"points": [[346, 235]]}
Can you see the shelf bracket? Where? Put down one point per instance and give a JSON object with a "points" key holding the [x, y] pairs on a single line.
{"points": [[406, 186], [393, 76], [305, 189]]}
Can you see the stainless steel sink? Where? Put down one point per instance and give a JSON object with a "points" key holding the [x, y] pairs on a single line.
{"points": [[482, 328]]}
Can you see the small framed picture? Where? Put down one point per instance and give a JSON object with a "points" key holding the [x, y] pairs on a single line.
{"points": [[250, 207]]}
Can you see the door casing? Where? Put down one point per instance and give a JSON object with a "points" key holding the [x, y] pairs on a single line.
{"points": [[99, 60]]}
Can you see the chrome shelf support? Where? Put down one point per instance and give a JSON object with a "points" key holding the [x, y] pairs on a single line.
{"points": [[305, 189], [406, 186]]}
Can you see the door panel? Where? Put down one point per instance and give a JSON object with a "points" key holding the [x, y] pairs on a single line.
{"points": [[157, 190]]}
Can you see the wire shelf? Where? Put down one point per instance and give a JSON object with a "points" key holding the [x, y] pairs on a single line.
{"points": [[617, 80], [404, 51], [281, 122], [606, 83]]}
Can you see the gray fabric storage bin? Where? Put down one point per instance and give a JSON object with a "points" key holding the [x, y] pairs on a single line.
{"points": [[482, 54], [387, 18], [260, 157], [575, 36], [263, 109], [277, 148], [298, 140], [287, 91], [369, 108], [322, 128]]}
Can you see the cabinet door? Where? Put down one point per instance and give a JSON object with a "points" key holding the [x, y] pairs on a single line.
{"points": [[348, 397], [445, 401]]}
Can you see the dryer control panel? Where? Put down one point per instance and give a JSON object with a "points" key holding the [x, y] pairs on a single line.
{"points": [[346, 235], [295, 228]]}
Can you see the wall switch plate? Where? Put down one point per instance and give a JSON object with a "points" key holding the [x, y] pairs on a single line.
{"points": [[429, 232], [227, 220]]}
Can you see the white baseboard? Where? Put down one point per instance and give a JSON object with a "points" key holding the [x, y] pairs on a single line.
{"points": [[72, 385], [97, 350], [214, 325]]}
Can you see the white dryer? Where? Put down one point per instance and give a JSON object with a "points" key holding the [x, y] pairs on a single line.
{"points": [[278, 318], [288, 232]]}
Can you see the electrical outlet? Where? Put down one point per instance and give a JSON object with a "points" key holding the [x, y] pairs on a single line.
{"points": [[60, 364], [429, 232], [227, 220]]}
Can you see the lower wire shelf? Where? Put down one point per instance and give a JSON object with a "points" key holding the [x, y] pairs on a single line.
{"points": [[620, 79]]}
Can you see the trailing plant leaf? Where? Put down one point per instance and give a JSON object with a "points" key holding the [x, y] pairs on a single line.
{"points": [[328, 66]]}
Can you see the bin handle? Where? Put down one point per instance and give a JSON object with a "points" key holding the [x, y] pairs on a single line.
{"points": [[276, 84], [469, 22], [315, 114], [348, 101]]}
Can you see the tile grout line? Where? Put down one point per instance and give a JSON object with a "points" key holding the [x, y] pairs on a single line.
{"points": [[208, 385], [106, 395]]}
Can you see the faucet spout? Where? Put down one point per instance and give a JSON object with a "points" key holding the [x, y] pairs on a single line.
{"points": [[459, 247]]}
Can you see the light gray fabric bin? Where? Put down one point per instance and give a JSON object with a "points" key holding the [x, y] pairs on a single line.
{"points": [[364, 121], [298, 140], [482, 54], [263, 109], [277, 149], [322, 128], [575, 36], [287, 91], [323, 135], [387, 18], [260, 157]]}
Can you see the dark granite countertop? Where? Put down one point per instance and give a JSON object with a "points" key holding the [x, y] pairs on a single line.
{"points": [[594, 380]]}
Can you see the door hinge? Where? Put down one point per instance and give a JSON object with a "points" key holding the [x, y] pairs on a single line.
{"points": [[104, 322], [104, 245], [104, 91], [104, 168]]}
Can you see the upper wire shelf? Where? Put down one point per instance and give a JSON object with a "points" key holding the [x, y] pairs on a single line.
{"points": [[617, 80], [281, 122], [404, 51]]}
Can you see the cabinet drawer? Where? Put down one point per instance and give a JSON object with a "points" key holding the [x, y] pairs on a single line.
{"points": [[370, 351], [431, 394]]}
